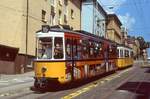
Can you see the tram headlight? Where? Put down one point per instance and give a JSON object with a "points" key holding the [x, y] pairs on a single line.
{"points": [[43, 69]]}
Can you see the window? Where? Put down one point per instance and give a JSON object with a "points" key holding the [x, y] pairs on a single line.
{"points": [[45, 48], [66, 2], [79, 49], [52, 20], [74, 49], [52, 2], [103, 26], [59, 17], [43, 15], [121, 53], [58, 48], [96, 49], [65, 14], [110, 48], [118, 53], [68, 49], [91, 51], [85, 49], [132, 54], [72, 13], [65, 19]]}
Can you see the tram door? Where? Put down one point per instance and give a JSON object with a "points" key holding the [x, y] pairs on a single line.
{"points": [[106, 58], [71, 57]]}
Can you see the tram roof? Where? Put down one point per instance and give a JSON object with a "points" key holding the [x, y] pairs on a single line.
{"points": [[81, 32], [122, 45]]}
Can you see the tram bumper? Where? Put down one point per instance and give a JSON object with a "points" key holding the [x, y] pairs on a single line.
{"points": [[45, 82]]}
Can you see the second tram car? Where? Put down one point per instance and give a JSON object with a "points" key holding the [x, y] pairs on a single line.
{"points": [[64, 56], [125, 57]]}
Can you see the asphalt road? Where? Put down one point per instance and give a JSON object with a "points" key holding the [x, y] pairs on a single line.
{"points": [[130, 83]]}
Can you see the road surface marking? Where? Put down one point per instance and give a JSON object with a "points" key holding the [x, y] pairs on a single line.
{"points": [[101, 81], [79, 92]]}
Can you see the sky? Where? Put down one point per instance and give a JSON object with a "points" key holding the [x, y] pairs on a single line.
{"points": [[134, 15]]}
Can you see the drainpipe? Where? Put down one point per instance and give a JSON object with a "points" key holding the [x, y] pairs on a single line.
{"points": [[93, 17], [80, 13], [27, 20]]}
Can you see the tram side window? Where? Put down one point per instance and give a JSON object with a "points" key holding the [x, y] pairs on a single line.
{"points": [[75, 49], [121, 53], [45, 48], [58, 48], [79, 49], [126, 53], [100, 49], [96, 50], [118, 52], [132, 54], [91, 50], [68, 49], [85, 49]]}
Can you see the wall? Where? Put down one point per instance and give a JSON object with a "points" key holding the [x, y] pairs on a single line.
{"points": [[76, 21], [66, 10], [114, 31], [12, 23]]}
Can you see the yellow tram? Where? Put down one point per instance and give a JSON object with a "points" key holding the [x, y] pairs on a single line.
{"points": [[64, 56], [125, 57]]}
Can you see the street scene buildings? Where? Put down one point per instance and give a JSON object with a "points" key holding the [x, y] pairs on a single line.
{"points": [[25, 17], [71, 49]]}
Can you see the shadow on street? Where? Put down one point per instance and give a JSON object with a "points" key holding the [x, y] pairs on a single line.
{"points": [[141, 89]]}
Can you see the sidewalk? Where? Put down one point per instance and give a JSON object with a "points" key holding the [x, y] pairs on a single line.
{"points": [[13, 82], [8, 77]]}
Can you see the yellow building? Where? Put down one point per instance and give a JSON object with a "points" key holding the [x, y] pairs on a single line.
{"points": [[66, 12], [114, 28], [19, 21], [134, 44]]}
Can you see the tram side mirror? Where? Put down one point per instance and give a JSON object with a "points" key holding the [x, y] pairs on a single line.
{"points": [[45, 28]]}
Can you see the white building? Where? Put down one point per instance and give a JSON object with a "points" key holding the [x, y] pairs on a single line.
{"points": [[93, 18]]}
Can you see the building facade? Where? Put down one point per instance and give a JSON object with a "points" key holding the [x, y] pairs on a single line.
{"points": [[133, 43], [20, 19], [114, 28], [124, 36], [93, 18], [66, 12]]}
